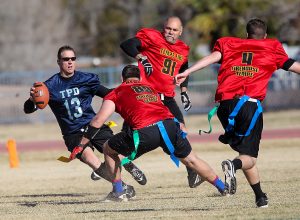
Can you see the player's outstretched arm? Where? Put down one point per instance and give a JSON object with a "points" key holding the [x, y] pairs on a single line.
{"points": [[214, 57], [131, 46], [106, 110], [103, 91], [295, 67]]}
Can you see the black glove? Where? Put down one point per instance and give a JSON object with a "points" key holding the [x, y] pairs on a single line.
{"points": [[186, 101], [147, 66]]}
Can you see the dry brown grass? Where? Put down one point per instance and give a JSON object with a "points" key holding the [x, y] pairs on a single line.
{"points": [[44, 188]]}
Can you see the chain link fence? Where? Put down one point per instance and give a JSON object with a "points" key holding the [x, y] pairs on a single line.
{"points": [[283, 92]]}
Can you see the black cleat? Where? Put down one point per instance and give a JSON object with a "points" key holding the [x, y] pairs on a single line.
{"points": [[116, 197], [129, 190], [262, 202], [136, 173], [194, 179]]}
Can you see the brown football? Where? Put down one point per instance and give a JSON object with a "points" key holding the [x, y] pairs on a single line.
{"points": [[41, 95]]}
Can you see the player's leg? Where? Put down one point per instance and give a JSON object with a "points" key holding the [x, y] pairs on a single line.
{"points": [[88, 157], [113, 166], [251, 173], [247, 146], [183, 151], [194, 179], [98, 141], [205, 171], [120, 143]]}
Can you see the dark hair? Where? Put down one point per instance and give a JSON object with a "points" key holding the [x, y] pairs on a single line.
{"points": [[256, 28], [62, 49], [130, 71]]}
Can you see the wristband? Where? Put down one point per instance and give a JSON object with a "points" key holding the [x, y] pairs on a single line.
{"points": [[90, 132]]}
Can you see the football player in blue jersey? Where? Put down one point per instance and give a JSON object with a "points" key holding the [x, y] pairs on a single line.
{"points": [[71, 93]]}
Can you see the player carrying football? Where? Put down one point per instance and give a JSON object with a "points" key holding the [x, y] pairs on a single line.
{"points": [[71, 93]]}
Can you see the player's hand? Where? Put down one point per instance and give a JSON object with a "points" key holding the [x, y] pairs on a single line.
{"points": [[31, 93], [147, 66], [179, 78], [185, 99], [75, 151]]}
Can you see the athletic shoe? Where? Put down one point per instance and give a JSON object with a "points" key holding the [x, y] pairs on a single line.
{"points": [[136, 173], [100, 173], [262, 202], [225, 138], [116, 197], [95, 176], [230, 180], [129, 190], [225, 192], [193, 178]]}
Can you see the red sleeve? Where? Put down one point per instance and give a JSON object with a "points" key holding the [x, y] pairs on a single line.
{"points": [[148, 36], [217, 46], [281, 56]]}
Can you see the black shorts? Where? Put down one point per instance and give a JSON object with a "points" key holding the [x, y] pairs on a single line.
{"points": [[174, 108], [150, 139], [248, 145], [73, 140]]}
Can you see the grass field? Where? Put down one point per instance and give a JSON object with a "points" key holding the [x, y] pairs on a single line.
{"points": [[44, 188]]}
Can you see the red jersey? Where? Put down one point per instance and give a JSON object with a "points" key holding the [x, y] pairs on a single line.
{"points": [[247, 66], [139, 104], [166, 60]]}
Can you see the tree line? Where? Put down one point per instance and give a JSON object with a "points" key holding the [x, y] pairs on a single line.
{"points": [[32, 30]]}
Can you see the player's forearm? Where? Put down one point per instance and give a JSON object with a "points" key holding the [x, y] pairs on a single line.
{"points": [[295, 67], [183, 89], [103, 91], [131, 47], [184, 84], [106, 110], [214, 57]]}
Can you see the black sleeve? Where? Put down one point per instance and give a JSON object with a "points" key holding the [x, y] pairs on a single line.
{"points": [[131, 46], [185, 83], [184, 67], [29, 106], [103, 91], [288, 64]]}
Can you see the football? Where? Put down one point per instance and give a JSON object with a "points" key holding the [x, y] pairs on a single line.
{"points": [[41, 95]]}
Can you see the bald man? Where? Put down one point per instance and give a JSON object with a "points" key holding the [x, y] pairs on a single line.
{"points": [[161, 56]]}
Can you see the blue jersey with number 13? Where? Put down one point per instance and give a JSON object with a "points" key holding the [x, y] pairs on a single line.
{"points": [[70, 100]]}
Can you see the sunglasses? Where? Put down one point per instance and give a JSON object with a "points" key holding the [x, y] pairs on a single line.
{"points": [[68, 58]]}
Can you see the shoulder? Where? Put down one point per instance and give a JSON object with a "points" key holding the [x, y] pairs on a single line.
{"points": [[86, 75], [273, 41], [229, 39], [52, 80], [183, 45], [148, 33]]}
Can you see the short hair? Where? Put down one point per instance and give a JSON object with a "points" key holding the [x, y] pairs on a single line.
{"points": [[130, 71], [62, 49], [256, 28]]}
